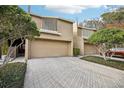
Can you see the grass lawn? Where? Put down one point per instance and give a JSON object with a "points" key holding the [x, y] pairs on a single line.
{"points": [[111, 63], [12, 75]]}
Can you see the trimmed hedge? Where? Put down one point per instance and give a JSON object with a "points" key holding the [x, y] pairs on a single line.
{"points": [[12, 75], [76, 51]]}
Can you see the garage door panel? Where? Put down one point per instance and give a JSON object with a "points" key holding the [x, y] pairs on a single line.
{"points": [[49, 48], [89, 49]]}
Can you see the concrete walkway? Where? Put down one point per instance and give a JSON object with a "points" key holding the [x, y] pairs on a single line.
{"points": [[71, 72], [19, 59]]}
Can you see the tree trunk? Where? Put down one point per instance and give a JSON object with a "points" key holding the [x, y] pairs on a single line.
{"points": [[7, 59], [104, 56]]}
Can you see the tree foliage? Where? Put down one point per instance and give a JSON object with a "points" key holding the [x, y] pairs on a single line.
{"points": [[106, 39], [116, 16], [108, 36], [15, 24]]}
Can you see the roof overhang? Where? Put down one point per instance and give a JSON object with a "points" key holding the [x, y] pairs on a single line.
{"points": [[63, 19]]}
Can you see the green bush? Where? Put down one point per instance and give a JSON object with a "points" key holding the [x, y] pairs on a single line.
{"points": [[12, 75], [76, 51]]}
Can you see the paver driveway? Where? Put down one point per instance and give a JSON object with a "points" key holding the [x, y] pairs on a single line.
{"points": [[70, 72]]}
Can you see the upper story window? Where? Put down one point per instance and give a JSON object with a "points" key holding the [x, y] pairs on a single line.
{"points": [[87, 33], [49, 24]]}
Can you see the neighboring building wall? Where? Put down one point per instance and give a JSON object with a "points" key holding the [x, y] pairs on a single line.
{"points": [[78, 39], [89, 49], [75, 45], [86, 33]]}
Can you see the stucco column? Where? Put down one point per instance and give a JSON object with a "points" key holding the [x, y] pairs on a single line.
{"points": [[71, 47], [81, 45], [78, 38], [27, 49]]}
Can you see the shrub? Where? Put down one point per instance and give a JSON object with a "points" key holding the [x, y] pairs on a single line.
{"points": [[76, 51], [12, 75]]}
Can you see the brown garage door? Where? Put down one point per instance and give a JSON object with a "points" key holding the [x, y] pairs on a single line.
{"points": [[49, 48], [89, 49]]}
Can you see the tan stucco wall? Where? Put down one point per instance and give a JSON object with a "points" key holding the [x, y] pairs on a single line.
{"points": [[75, 44], [63, 27], [38, 21], [27, 49], [78, 39], [66, 35]]}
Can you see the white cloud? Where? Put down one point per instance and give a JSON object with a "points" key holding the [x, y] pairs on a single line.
{"points": [[71, 9]]}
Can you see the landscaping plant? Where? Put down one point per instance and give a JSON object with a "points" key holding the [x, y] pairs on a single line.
{"points": [[76, 51], [12, 75], [106, 39], [15, 24], [110, 62]]}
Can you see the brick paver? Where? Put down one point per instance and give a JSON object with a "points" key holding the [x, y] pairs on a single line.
{"points": [[71, 72]]}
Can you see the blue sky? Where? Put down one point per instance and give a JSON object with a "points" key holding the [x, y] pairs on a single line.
{"points": [[79, 13]]}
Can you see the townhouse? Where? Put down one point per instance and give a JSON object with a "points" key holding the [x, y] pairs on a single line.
{"points": [[57, 38]]}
